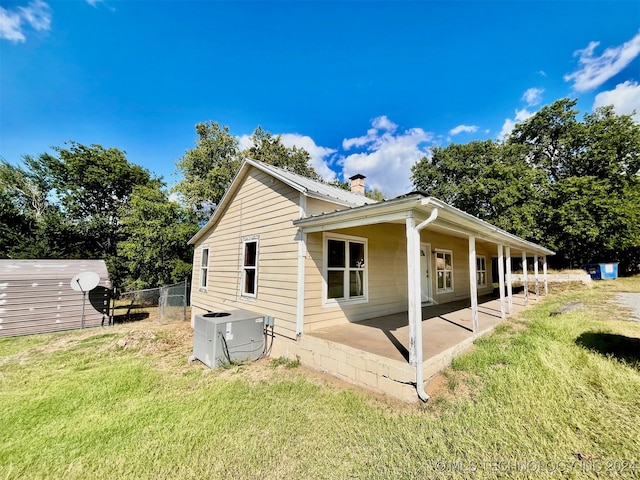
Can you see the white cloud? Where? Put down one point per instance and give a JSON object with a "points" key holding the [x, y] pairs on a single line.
{"points": [[37, 15], [93, 3], [533, 96], [509, 124], [625, 98], [378, 124], [319, 155], [594, 71], [387, 157], [463, 128]]}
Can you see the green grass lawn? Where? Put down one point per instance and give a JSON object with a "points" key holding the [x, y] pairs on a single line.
{"points": [[543, 397]]}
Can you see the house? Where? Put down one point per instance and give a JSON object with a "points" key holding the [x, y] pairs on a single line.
{"points": [[318, 258], [36, 296]]}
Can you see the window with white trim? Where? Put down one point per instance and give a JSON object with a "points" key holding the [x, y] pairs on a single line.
{"points": [[444, 271], [250, 267], [481, 271], [345, 269], [204, 267]]}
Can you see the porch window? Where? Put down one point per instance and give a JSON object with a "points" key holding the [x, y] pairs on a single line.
{"points": [[444, 271], [204, 267], [481, 271], [345, 268], [250, 268]]}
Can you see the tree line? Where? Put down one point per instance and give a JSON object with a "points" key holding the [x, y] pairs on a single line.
{"points": [[572, 185]]}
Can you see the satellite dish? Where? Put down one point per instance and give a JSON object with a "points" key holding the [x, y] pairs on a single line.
{"points": [[85, 281]]}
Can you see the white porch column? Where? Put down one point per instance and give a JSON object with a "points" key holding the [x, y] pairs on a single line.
{"points": [[535, 275], [544, 275], [473, 283], [525, 277], [503, 312], [509, 281], [413, 291]]}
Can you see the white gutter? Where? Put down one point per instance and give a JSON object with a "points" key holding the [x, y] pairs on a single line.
{"points": [[424, 396]]}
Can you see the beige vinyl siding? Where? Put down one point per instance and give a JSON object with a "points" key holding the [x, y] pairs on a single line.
{"points": [[387, 277], [318, 207], [262, 207], [387, 274]]}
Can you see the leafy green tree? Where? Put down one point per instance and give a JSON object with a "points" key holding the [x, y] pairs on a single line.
{"points": [[92, 184], [592, 211], [156, 231], [571, 184], [487, 179], [14, 224], [208, 168], [269, 149]]}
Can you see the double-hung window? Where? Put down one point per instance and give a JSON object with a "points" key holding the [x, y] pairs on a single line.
{"points": [[204, 267], [250, 268], [444, 271], [345, 262], [481, 271]]}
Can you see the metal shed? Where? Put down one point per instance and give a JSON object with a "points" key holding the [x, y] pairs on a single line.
{"points": [[36, 296]]}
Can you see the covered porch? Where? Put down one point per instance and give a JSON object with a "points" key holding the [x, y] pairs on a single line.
{"points": [[443, 327], [445, 309]]}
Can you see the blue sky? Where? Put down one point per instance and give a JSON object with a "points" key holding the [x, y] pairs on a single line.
{"points": [[365, 87]]}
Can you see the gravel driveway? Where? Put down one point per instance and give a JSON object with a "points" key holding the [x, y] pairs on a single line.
{"points": [[630, 301]]}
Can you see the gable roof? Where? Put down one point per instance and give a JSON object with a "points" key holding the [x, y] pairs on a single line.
{"points": [[304, 185]]}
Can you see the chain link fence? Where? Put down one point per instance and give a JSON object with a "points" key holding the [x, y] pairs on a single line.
{"points": [[166, 304]]}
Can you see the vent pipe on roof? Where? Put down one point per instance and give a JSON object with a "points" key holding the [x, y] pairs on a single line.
{"points": [[357, 183]]}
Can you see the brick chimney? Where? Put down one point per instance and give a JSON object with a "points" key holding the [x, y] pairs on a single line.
{"points": [[357, 184]]}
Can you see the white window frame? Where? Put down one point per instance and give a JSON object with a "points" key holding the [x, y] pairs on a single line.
{"points": [[245, 267], [445, 270], [483, 260], [203, 281], [346, 299]]}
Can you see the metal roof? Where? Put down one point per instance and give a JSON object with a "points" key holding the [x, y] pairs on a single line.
{"points": [[313, 188]]}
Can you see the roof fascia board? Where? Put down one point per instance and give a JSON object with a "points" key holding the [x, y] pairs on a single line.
{"points": [[358, 222]]}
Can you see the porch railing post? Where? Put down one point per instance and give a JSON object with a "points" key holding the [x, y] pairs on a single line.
{"points": [[544, 275], [509, 281], [525, 277], [473, 283], [535, 276], [413, 282], [503, 310]]}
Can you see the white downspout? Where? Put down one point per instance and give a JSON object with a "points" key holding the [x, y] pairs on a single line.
{"points": [[417, 345], [302, 258]]}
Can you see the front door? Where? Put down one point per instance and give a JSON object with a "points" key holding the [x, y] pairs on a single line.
{"points": [[425, 272]]}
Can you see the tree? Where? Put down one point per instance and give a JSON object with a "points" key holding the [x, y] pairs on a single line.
{"points": [[573, 185], [592, 209], [208, 168], [92, 184], [156, 231], [487, 179], [269, 149]]}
